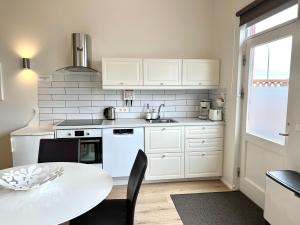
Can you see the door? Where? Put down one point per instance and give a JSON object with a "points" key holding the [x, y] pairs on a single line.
{"points": [[122, 71], [265, 108], [162, 71], [199, 72]]}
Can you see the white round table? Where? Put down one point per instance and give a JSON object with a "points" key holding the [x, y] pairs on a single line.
{"points": [[79, 189]]}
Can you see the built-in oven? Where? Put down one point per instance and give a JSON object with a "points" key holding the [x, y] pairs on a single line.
{"points": [[90, 150]]}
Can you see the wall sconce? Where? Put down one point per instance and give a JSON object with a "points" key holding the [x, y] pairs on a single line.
{"points": [[26, 63]]}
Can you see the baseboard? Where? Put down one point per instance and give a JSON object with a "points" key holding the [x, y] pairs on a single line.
{"points": [[228, 184]]}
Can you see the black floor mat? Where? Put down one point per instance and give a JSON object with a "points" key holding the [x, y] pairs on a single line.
{"points": [[219, 208]]}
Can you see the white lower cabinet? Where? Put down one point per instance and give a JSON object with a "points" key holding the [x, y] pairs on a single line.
{"points": [[165, 166], [184, 152], [203, 164]]}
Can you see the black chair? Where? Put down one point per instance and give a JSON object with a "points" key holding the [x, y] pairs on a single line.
{"points": [[118, 211], [58, 150]]}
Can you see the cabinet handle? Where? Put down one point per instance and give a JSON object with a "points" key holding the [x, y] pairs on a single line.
{"points": [[203, 154], [199, 83], [163, 156], [69, 134], [87, 134], [122, 83], [162, 129], [161, 83], [203, 128], [203, 142]]}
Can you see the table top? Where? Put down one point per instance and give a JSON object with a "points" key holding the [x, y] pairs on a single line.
{"points": [[287, 178], [79, 189]]}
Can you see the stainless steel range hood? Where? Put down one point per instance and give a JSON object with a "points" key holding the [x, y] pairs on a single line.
{"points": [[81, 44]]}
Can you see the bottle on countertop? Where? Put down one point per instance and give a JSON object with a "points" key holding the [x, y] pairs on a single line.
{"points": [[148, 113]]}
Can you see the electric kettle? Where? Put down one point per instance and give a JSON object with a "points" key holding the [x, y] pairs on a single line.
{"points": [[110, 113]]}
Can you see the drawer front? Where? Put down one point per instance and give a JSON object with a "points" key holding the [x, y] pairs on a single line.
{"points": [[199, 145], [204, 131], [204, 164], [165, 166], [71, 133], [164, 139]]}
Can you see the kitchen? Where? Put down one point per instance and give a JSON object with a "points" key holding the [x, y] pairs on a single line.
{"points": [[147, 56]]}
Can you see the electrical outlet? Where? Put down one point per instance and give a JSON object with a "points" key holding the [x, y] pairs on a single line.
{"points": [[122, 109], [46, 78]]}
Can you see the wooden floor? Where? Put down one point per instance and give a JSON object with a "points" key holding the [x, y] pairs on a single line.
{"points": [[154, 204]]}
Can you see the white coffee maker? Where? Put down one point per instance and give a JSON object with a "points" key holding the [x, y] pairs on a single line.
{"points": [[204, 109]]}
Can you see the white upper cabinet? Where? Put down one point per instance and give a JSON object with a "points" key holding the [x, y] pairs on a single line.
{"points": [[160, 72], [122, 72], [200, 72]]}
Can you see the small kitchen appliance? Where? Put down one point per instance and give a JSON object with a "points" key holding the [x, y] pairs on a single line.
{"points": [[110, 113], [216, 114], [204, 109]]}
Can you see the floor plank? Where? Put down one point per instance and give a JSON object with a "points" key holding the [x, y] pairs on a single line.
{"points": [[154, 204]]}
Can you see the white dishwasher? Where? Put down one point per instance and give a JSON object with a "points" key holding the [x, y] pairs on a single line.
{"points": [[120, 147]]}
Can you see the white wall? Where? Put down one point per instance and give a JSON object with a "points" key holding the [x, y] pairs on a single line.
{"points": [[42, 29]]}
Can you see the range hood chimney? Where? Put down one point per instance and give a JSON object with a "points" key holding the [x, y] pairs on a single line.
{"points": [[81, 46]]}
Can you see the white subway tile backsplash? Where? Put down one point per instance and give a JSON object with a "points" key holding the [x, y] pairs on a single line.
{"points": [[90, 84], [79, 91], [65, 110], [49, 90], [58, 77], [64, 84], [45, 97], [79, 116], [65, 97], [91, 109], [104, 103], [53, 104], [78, 103], [91, 97], [77, 77], [80, 96], [118, 97], [143, 97], [163, 97], [52, 116], [45, 110]]}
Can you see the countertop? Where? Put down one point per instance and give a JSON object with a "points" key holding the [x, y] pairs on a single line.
{"points": [[118, 123], [33, 130]]}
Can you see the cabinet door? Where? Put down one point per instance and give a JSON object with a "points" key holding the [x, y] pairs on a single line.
{"points": [[165, 166], [122, 71], [203, 164], [25, 149], [164, 139], [200, 72], [162, 71]]}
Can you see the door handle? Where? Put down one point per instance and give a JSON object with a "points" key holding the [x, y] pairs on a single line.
{"points": [[284, 134]]}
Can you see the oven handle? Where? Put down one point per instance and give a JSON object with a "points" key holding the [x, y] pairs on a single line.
{"points": [[89, 141]]}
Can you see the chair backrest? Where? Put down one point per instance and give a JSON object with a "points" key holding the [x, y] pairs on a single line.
{"points": [[135, 180], [59, 150]]}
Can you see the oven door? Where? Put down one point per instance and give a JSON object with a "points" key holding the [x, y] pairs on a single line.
{"points": [[90, 150]]}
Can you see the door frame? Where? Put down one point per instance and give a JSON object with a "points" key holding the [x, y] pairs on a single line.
{"points": [[247, 186]]}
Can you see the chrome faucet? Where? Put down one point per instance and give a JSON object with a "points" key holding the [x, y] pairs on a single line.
{"points": [[159, 108]]}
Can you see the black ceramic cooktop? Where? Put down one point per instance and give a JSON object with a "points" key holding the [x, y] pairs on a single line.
{"points": [[79, 123]]}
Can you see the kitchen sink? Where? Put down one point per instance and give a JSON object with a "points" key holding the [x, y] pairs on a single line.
{"points": [[162, 121]]}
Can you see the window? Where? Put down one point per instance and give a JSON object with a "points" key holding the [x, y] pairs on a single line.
{"points": [[272, 21], [268, 89]]}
